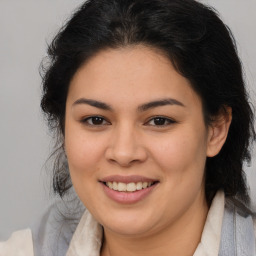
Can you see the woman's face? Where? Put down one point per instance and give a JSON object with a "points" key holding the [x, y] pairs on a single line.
{"points": [[136, 141]]}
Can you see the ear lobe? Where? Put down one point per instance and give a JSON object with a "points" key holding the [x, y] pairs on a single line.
{"points": [[218, 131]]}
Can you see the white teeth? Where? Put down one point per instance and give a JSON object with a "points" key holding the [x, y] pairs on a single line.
{"points": [[139, 186], [144, 184], [110, 185], [114, 185], [121, 186], [129, 187]]}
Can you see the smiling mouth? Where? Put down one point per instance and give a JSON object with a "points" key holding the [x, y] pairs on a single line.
{"points": [[129, 187]]}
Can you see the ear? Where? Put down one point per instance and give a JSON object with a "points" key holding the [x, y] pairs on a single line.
{"points": [[218, 131]]}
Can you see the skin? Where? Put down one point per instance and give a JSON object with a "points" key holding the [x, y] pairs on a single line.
{"points": [[127, 141]]}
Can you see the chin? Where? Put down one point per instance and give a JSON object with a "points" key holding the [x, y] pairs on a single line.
{"points": [[128, 224], [128, 229]]}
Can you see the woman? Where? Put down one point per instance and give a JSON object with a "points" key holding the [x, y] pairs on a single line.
{"points": [[153, 124]]}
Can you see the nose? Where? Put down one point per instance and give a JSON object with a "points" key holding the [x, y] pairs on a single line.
{"points": [[126, 147]]}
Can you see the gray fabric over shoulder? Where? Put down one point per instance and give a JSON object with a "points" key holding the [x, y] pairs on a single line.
{"points": [[53, 233], [238, 231]]}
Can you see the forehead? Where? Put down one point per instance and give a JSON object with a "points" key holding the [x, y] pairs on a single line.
{"points": [[139, 73]]}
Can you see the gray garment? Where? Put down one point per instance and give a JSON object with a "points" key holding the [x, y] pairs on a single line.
{"points": [[52, 235], [237, 235]]}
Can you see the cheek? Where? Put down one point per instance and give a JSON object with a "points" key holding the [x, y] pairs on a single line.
{"points": [[182, 153], [83, 153], [181, 159]]}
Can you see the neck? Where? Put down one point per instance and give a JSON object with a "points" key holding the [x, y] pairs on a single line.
{"points": [[180, 238]]}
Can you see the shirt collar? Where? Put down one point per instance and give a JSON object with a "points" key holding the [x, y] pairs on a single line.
{"points": [[210, 240]]}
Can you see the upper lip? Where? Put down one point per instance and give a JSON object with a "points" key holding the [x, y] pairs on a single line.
{"points": [[127, 179]]}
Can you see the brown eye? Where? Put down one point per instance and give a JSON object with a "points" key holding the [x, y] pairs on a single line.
{"points": [[160, 121], [95, 120]]}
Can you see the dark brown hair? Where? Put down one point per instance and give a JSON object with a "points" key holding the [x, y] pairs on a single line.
{"points": [[198, 43]]}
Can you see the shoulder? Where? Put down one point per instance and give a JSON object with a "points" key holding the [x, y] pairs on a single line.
{"points": [[53, 232], [19, 244], [238, 229], [254, 226], [50, 235]]}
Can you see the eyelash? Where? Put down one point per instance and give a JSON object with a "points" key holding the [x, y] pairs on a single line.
{"points": [[89, 121], [167, 121]]}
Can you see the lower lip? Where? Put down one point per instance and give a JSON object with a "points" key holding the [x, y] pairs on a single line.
{"points": [[128, 197]]}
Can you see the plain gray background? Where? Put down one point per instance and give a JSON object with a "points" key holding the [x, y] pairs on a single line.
{"points": [[25, 27]]}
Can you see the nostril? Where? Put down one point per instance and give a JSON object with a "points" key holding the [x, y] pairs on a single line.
{"points": [[126, 156]]}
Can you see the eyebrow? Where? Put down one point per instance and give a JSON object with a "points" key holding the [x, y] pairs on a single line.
{"points": [[159, 103], [141, 108], [93, 103]]}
